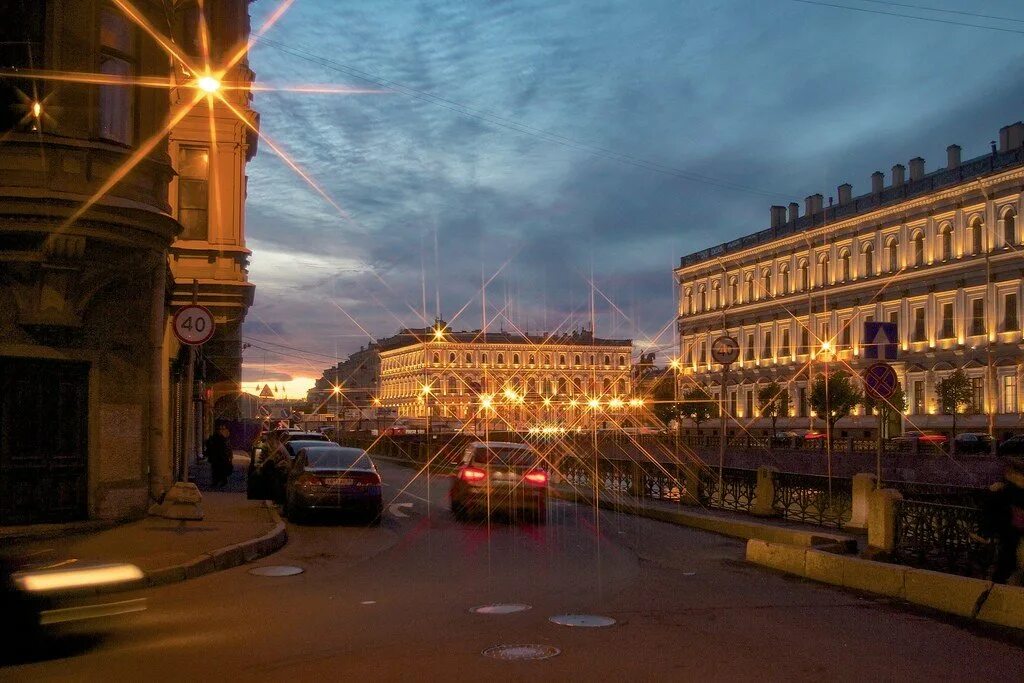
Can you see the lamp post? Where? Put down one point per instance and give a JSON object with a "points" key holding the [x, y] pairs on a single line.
{"points": [[336, 390]]}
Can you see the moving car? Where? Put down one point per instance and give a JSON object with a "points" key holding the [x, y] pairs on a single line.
{"points": [[499, 476], [922, 438], [973, 442], [333, 478]]}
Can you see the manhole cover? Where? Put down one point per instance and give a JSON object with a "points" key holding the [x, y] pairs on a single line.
{"points": [[515, 653], [584, 620], [500, 608], [276, 570]]}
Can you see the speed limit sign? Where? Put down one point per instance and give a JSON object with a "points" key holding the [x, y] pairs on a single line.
{"points": [[193, 325]]}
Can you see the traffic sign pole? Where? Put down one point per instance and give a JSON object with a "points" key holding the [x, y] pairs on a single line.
{"points": [[724, 350]]}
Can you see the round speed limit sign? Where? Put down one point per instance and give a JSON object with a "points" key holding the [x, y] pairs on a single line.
{"points": [[193, 325]]}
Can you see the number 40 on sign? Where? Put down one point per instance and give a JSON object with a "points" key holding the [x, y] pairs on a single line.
{"points": [[193, 325]]}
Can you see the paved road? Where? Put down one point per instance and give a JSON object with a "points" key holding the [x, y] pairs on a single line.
{"points": [[391, 603]]}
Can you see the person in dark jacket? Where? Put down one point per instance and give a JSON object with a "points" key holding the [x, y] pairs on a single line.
{"points": [[219, 455], [1003, 521]]}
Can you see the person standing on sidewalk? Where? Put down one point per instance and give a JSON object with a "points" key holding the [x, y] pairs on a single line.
{"points": [[219, 455], [1003, 522]]}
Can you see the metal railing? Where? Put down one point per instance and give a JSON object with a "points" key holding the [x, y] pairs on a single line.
{"points": [[736, 490], [813, 499], [941, 537]]}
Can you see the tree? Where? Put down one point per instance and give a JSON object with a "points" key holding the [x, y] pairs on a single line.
{"points": [[665, 407], [954, 392], [894, 405], [833, 396], [773, 400], [698, 405]]}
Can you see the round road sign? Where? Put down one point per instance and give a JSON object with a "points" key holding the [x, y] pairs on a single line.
{"points": [[193, 325], [725, 350], [880, 380]]}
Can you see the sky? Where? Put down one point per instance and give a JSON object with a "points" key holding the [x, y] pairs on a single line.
{"points": [[568, 153]]}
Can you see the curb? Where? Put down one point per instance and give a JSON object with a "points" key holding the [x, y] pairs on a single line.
{"points": [[226, 557], [735, 528], [974, 599]]}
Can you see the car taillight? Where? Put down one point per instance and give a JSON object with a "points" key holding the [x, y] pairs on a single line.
{"points": [[473, 474], [368, 479], [308, 480], [536, 477]]}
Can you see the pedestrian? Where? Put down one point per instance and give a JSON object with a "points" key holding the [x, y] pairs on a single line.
{"points": [[219, 455], [1003, 522]]}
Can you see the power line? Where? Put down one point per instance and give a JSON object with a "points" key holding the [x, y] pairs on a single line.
{"points": [[945, 11], [290, 348], [910, 16], [513, 125]]}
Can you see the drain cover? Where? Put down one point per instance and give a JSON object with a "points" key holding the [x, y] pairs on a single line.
{"points": [[500, 608], [584, 620], [276, 570], [515, 653]]}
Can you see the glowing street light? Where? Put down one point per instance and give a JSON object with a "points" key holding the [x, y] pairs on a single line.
{"points": [[674, 364], [37, 109], [594, 403], [425, 389], [486, 401], [208, 84], [438, 334], [615, 403]]}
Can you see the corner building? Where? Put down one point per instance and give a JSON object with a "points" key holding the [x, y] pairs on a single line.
{"points": [[939, 254]]}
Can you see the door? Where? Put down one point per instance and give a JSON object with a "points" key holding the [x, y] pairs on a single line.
{"points": [[43, 441]]}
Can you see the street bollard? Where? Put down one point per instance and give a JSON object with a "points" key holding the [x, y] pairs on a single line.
{"points": [[764, 494]]}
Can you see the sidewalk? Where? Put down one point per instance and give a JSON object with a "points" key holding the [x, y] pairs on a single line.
{"points": [[233, 531]]}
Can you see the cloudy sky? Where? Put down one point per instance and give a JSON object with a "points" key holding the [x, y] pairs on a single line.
{"points": [[570, 150]]}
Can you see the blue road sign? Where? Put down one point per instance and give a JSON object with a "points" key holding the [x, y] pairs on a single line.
{"points": [[881, 341], [880, 380]]}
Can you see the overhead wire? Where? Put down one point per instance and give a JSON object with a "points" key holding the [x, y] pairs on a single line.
{"points": [[935, 20]]}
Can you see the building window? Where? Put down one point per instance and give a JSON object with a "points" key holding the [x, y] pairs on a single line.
{"points": [[453, 385], [515, 359], [501, 359], [894, 318], [892, 249], [732, 403], [483, 359], [919, 330], [784, 350], [622, 387], [784, 275], [1010, 320], [21, 47], [117, 59], [766, 348], [978, 394], [547, 359], [703, 354], [844, 266], [451, 358], [561, 359], [750, 287], [804, 276], [577, 360], [1009, 228], [533, 360], [750, 347], [749, 407], [1008, 395], [469, 359], [945, 243], [805, 340], [607, 359], [701, 300], [977, 236], [822, 271], [801, 401], [917, 246], [918, 397], [436, 359], [977, 316], [766, 282], [946, 329], [845, 334], [622, 361], [734, 291], [869, 266], [193, 192], [688, 356]]}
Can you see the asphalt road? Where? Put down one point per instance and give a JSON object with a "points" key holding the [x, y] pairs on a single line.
{"points": [[392, 603]]}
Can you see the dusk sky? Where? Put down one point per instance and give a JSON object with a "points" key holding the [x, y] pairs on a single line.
{"points": [[560, 139]]}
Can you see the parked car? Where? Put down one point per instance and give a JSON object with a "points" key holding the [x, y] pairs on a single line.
{"points": [[1012, 446], [267, 476], [499, 476], [923, 438], [784, 438], [814, 436], [333, 478], [973, 442]]}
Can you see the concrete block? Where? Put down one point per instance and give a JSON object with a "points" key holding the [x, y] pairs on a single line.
{"points": [[160, 577], [757, 551], [875, 577], [225, 558], [946, 592], [201, 565], [786, 558], [824, 567], [1004, 606], [863, 485]]}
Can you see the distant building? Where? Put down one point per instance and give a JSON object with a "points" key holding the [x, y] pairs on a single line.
{"points": [[506, 380], [358, 378], [938, 254]]}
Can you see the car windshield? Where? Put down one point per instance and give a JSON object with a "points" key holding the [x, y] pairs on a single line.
{"points": [[506, 455], [337, 458], [298, 444]]}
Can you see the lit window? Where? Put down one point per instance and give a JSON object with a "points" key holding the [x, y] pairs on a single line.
{"points": [[918, 242], [946, 330], [193, 192], [1011, 322], [869, 266], [977, 316], [1009, 228], [919, 329], [1008, 395], [21, 47], [117, 102]]}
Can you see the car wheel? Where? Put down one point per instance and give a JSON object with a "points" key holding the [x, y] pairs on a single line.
{"points": [[292, 511], [540, 515], [377, 515], [458, 512]]}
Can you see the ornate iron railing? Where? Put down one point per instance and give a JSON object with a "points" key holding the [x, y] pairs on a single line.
{"points": [[810, 498], [662, 482], [941, 537], [737, 491]]}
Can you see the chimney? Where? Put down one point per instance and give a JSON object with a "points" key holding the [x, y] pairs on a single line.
{"points": [[794, 211], [877, 182], [953, 157], [813, 204], [897, 175], [778, 216], [916, 168], [845, 193], [1011, 137]]}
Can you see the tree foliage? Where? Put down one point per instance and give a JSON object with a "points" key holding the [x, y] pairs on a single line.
{"points": [[833, 396], [698, 405], [665, 408], [954, 392], [773, 401]]}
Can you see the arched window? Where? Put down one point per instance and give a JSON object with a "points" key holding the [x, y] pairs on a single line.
{"points": [[917, 249], [531, 385], [766, 284], [561, 359], [453, 385], [577, 360], [750, 287], [607, 359], [716, 290], [822, 270], [892, 254], [734, 291], [483, 358], [515, 359], [606, 385], [501, 359], [869, 260], [451, 358], [469, 359], [844, 266], [622, 386], [977, 235], [533, 359], [945, 243], [1009, 227], [687, 302], [437, 359], [701, 299], [622, 361], [804, 275], [784, 279]]}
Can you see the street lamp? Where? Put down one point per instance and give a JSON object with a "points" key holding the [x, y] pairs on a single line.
{"points": [[336, 390]]}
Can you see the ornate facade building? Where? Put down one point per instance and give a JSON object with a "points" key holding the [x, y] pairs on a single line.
{"points": [[937, 253], [505, 380]]}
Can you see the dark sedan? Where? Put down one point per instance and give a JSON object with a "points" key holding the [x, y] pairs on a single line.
{"points": [[498, 476], [333, 478], [973, 442], [1012, 446]]}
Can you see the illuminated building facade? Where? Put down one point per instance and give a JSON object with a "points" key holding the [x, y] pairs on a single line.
{"points": [[507, 380], [937, 253]]}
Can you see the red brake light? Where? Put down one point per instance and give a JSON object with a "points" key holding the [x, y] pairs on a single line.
{"points": [[536, 477], [473, 474], [366, 479], [307, 479]]}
